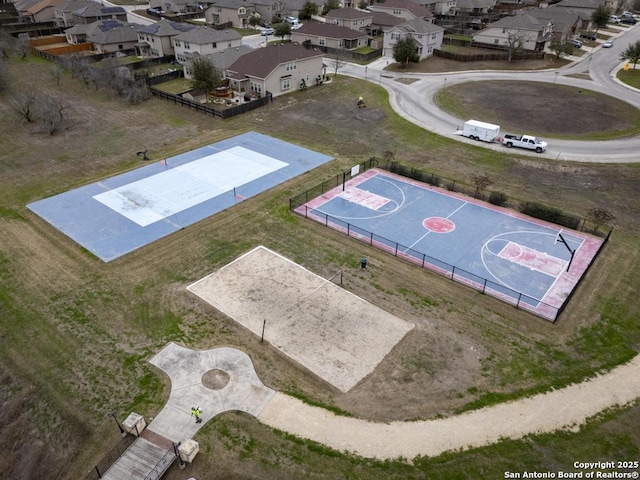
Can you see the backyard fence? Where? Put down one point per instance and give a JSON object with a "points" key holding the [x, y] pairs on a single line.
{"points": [[224, 112], [535, 306], [483, 57]]}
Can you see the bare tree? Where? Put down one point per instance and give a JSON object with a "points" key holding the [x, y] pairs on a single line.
{"points": [[56, 72], [515, 40], [51, 113], [599, 217], [24, 104], [337, 62], [481, 182], [5, 79]]}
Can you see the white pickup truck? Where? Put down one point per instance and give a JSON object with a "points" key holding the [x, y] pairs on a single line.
{"points": [[524, 141]]}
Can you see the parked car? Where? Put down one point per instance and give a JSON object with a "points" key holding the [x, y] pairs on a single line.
{"points": [[629, 20], [296, 26], [267, 31], [607, 44], [614, 19], [266, 24], [575, 42], [589, 35], [292, 20]]}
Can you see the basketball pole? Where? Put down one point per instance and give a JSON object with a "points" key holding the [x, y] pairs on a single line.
{"points": [[571, 251], [264, 324]]}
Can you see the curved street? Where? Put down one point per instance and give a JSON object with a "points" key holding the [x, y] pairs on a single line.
{"points": [[416, 101]]}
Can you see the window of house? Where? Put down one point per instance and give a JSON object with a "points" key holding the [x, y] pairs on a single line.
{"points": [[504, 30], [186, 45], [395, 36], [341, 44], [242, 11], [397, 11], [256, 87], [290, 66], [433, 36], [321, 41], [214, 44], [120, 47], [354, 23], [219, 9], [215, 18], [177, 43], [496, 41], [285, 84]]}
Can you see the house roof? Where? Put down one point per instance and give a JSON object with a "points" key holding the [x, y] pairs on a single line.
{"points": [[72, 5], [419, 26], [384, 19], [560, 17], [523, 21], [224, 58], [590, 4], [409, 5], [96, 10], [95, 28], [235, 4], [328, 30], [259, 63], [24, 5], [347, 14], [203, 35], [125, 33], [38, 7], [166, 28]]}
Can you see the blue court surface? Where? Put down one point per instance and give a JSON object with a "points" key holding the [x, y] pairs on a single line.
{"points": [[123, 213], [515, 257]]}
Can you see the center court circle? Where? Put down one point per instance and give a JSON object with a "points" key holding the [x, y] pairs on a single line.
{"points": [[439, 225]]}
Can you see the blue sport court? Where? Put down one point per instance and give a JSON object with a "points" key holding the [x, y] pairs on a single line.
{"points": [[115, 216], [501, 252]]}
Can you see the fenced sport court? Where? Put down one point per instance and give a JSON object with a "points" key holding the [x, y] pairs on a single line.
{"points": [[117, 215], [527, 262]]}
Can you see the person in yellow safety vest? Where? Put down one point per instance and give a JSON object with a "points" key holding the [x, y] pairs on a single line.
{"points": [[195, 411]]}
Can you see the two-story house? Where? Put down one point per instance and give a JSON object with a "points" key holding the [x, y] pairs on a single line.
{"points": [[156, 40], [64, 12], [107, 36], [236, 12], [42, 11], [533, 34], [350, 18], [405, 9], [329, 35], [566, 23], [203, 41], [94, 12], [278, 68], [427, 35]]}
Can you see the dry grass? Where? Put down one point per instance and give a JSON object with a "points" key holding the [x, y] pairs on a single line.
{"points": [[76, 333]]}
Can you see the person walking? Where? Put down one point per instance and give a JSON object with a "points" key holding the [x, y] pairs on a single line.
{"points": [[196, 412]]}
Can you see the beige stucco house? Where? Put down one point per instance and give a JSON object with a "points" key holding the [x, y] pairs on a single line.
{"points": [[428, 37], [534, 34], [278, 68], [329, 35]]}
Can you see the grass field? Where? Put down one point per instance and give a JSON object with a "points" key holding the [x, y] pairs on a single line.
{"points": [[76, 334]]}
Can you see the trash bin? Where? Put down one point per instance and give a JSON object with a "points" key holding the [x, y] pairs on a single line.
{"points": [[363, 263]]}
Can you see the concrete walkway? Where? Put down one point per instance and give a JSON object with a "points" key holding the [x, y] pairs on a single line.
{"points": [[190, 369]]}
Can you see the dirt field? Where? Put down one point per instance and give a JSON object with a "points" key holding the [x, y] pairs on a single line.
{"points": [[92, 326]]}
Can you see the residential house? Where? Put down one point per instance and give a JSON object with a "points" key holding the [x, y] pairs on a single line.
{"points": [[405, 9], [428, 37], [42, 11], [94, 12], [156, 40], [438, 7], [107, 36], [176, 6], [64, 12], [350, 18], [278, 68], [222, 60], [203, 41], [566, 23], [587, 7], [533, 33], [329, 35], [236, 12], [382, 21]]}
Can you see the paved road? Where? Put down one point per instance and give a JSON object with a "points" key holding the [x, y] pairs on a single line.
{"points": [[416, 103]]}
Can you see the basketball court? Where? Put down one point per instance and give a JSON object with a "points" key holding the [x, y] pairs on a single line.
{"points": [[519, 259], [120, 214]]}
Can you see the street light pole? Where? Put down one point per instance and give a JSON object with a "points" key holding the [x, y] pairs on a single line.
{"points": [[122, 431]]}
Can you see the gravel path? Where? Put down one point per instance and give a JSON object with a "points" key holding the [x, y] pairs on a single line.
{"points": [[566, 408]]}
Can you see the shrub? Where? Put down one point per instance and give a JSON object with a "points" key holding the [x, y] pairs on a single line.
{"points": [[498, 198], [550, 214]]}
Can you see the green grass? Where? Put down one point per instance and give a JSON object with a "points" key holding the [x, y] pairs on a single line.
{"points": [[631, 77]]}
